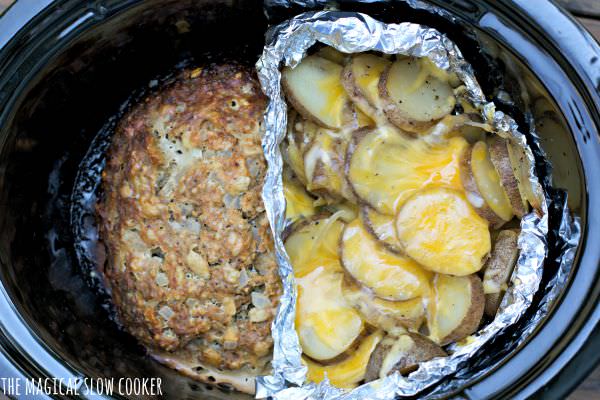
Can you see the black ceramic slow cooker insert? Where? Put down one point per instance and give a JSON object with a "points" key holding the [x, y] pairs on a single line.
{"points": [[66, 67]]}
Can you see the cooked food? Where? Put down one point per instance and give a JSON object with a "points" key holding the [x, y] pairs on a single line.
{"points": [[390, 316], [349, 371], [520, 164], [440, 230], [402, 354], [484, 190], [190, 259], [406, 186], [390, 276], [382, 228], [360, 79], [385, 167], [415, 93], [500, 159], [327, 325], [455, 308], [498, 269], [314, 89], [314, 243]]}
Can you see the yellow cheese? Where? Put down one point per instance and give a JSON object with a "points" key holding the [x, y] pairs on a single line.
{"points": [[299, 204], [389, 276], [387, 167], [315, 245], [350, 371], [326, 325], [438, 228]]}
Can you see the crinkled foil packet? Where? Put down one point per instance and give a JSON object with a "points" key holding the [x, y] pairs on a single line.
{"points": [[348, 32]]}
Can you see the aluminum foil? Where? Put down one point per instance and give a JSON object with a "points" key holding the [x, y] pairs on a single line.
{"points": [[286, 45]]}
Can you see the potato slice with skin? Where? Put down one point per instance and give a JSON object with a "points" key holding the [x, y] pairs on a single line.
{"points": [[439, 229], [389, 276], [326, 325], [474, 194], [333, 55], [455, 309], [314, 243], [402, 354], [520, 165], [388, 315], [488, 182], [298, 203], [498, 269], [324, 162], [385, 167], [500, 158], [412, 97], [360, 79], [382, 228], [313, 88], [349, 372]]}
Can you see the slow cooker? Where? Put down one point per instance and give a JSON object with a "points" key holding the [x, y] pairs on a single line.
{"points": [[67, 66]]}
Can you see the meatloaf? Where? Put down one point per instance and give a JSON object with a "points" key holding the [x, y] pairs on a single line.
{"points": [[190, 260]]}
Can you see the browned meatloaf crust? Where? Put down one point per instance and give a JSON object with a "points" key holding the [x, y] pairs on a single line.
{"points": [[190, 256]]}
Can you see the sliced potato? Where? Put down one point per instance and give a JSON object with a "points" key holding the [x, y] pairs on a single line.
{"points": [[324, 162], [439, 229], [382, 228], [498, 269], [333, 55], [390, 276], [326, 325], [412, 97], [385, 167], [455, 309], [360, 79], [384, 314], [501, 160], [474, 195], [300, 134], [402, 354], [488, 182], [520, 164], [314, 89], [482, 185], [314, 243], [348, 372], [298, 203]]}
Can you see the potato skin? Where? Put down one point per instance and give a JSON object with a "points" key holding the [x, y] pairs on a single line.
{"points": [[501, 161], [394, 115], [473, 317], [499, 267], [422, 350], [468, 181]]}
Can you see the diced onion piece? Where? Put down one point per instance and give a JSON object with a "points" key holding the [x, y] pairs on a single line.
{"points": [[438, 228]]}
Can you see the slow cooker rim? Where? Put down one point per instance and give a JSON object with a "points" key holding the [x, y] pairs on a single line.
{"points": [[25, 16]]}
